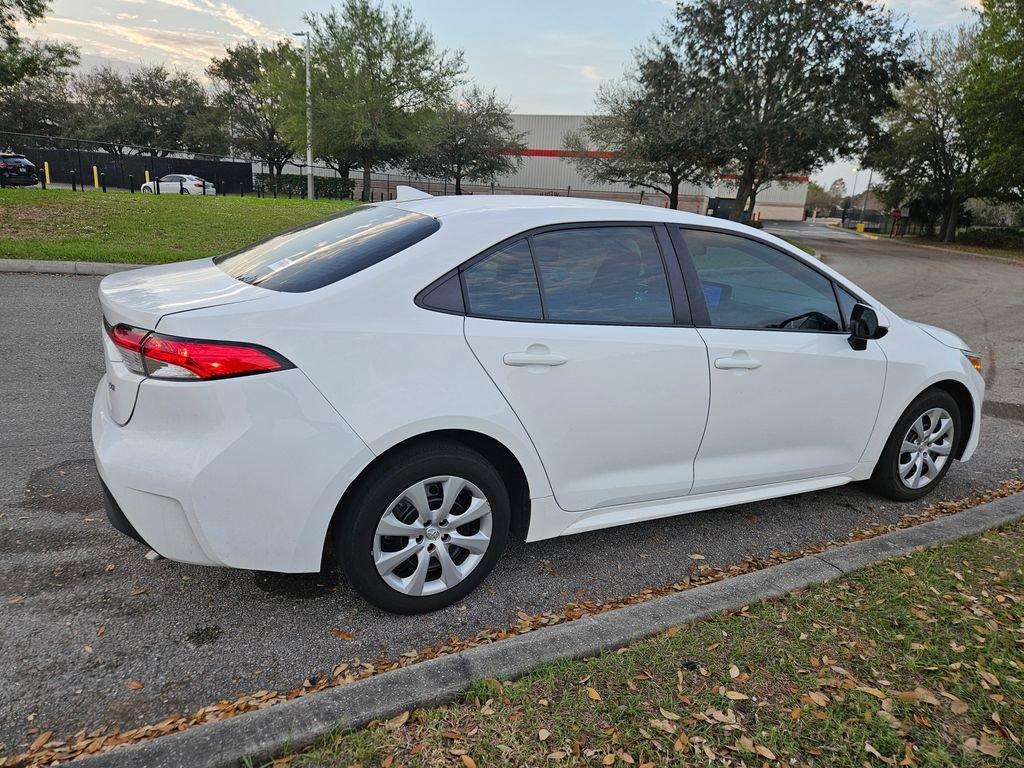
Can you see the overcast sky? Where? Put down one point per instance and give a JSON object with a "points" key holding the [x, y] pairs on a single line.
{"points": [[545, 56]]}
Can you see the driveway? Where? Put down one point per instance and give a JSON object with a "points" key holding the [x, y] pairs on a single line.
{"points": [[86, 620]]}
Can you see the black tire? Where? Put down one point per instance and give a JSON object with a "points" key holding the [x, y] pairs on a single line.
{"points": [[885, 480], [383, 484]]}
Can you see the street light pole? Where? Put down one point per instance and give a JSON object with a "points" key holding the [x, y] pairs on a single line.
{"points": [[864, 207], [309, 123]]}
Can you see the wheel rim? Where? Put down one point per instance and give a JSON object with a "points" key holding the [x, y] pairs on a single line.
{"points": [[432, 536], [926, 448]]}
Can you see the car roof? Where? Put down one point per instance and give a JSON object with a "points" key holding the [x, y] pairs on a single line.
{"points": [[571, 209]]}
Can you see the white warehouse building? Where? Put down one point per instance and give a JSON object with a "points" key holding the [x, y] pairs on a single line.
{"points": [[547, 169]]}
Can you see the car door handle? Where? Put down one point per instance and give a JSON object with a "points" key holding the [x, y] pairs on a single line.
{"points": [[737, 363], [533, 358]]}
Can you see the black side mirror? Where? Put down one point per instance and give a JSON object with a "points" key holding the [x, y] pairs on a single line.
{"points": [[863, 326]]}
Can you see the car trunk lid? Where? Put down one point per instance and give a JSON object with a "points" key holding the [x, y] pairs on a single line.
{"points": [[141, 298]]}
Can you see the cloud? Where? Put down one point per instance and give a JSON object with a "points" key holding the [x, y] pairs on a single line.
{"points": [[193, 47], [589, 72], [227, 14]]}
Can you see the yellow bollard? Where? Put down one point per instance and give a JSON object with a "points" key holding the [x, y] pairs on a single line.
{"points": [[46, 171], [95, 177], [147, 177]]}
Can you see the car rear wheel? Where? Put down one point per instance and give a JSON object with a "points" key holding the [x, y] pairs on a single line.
{"points": [[423, 528], [920, 448]]}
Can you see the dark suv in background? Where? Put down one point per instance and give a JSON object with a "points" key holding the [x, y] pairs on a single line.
{"points": [[16, 171]]}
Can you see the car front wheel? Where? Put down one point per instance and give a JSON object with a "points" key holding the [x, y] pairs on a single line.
{"points": [[423, 528], [920, 448]]}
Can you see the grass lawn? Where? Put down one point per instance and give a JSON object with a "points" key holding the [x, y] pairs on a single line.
{"points": [[915, 662], [141, 229], [802, 246], [1006, 253]]}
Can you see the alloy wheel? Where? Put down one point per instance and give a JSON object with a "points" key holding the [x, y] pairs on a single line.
{"points": [[432, 536], [926, 448]]}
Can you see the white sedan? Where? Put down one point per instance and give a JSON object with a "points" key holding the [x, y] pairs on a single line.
{"points": [[394, 390], [179, 184]]}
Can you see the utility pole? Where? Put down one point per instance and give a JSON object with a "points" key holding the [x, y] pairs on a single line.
{"points": [[309, 123], [864, 207]]}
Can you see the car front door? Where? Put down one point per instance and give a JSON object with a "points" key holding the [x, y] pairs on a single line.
{"points": [[585, 330], [169, 184], [790, 398]]}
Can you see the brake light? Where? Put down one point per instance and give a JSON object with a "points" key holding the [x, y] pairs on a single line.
{"points": [[197, 183], [170, 357]]}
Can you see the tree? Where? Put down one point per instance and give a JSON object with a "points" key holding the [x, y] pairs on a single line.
{"points": [[149, 109], [994, 103], [21, 60], [796, 82], [819, 198], [378, 81], [653, 130], [251, 106], [925, 152], [473, 139], [837, 189], [33, 76]]}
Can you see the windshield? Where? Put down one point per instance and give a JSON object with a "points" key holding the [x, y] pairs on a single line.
{"points": [[321, 253]]}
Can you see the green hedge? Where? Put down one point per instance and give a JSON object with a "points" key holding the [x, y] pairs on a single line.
{"points": [[996, 237], [294, 184]]}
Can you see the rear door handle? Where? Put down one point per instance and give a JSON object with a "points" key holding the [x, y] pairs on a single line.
{"points": [[737, 363], [520, 359]]}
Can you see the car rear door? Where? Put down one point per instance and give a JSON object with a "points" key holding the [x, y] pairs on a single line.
{"points": [[790, 398], [585, 330]]}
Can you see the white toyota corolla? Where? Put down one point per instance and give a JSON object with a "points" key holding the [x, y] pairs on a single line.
{"points": [[395, 389]]}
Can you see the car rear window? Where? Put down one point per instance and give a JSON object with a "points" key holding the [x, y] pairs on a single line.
{"points": [[321, 253]]}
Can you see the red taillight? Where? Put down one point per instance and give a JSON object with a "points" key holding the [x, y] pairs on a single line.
{"points": [[170, 357], [197, 184]]}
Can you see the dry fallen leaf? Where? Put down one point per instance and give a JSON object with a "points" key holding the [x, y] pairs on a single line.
{"points": [[543, 734], [135, 685], [41, 739], [398, 720], [592, 694], [341, 634], [468, 761], [736, 696], [734, 671]]}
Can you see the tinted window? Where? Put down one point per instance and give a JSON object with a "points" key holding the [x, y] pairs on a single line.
{"points": [[324, 252], [603, 274], [751, 285], [504, 284]]}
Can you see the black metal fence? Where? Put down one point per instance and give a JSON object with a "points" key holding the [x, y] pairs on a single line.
{"points": [[81, 163], [84, 164]]}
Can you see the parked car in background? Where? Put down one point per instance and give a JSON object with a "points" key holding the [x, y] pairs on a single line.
{"points": [[17, 171], [397, 388], [180, 183]]}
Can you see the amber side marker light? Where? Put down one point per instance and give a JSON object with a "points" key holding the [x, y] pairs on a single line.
{"points": [[975, 360]]}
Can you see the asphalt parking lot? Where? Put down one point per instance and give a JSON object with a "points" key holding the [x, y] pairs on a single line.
{"points": [[86, 620]]}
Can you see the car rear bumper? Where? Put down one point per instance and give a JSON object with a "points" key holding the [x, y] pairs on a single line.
{"points": [[243, 472], [20, 181]]}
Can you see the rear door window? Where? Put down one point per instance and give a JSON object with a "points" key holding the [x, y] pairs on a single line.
{"points": [[603, 275], [321, 253]]}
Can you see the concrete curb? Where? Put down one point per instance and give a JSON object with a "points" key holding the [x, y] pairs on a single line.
{"points": [[302, 722], [44, 267]]}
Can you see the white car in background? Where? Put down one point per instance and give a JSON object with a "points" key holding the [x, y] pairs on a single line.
{"points": [[179, 184], [395, 389]]}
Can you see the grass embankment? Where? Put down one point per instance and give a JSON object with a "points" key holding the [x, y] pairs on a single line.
{"points": [[914, 662], [802, 246], [1005, 253], [141, 229]]}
